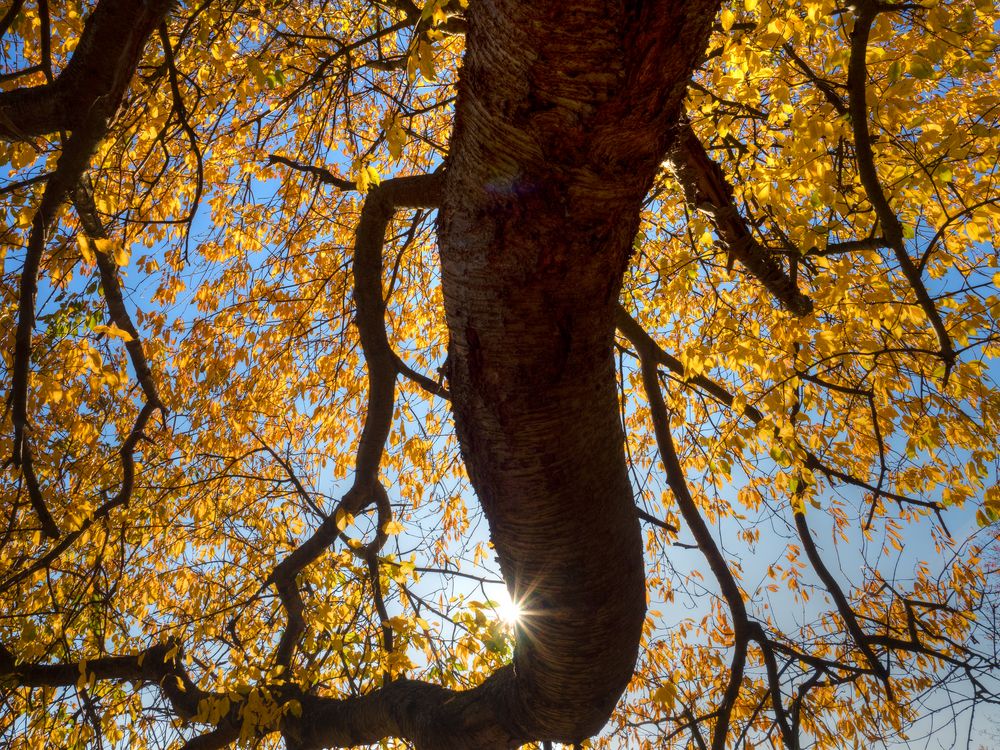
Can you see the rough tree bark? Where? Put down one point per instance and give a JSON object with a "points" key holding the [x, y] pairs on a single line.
{"points": [[565, 111]]}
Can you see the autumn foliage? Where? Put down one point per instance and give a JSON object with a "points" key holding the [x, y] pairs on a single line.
{"points": [[236, 510]]}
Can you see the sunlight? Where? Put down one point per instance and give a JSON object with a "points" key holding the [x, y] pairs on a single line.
{"points": [[506, 608]]}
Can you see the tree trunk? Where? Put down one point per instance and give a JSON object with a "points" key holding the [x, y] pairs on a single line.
{"points": [[565, 110]]}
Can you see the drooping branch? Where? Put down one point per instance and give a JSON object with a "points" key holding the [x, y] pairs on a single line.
{"points": [[702, 535], [72, 163], [180, 109], [82, 196], [127, 458], [74, 160], [645, 344]]}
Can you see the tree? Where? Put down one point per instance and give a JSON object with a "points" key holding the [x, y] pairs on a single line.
{"points": [[652, 279]]}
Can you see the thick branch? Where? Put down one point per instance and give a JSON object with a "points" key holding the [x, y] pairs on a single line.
{"points": [[105, 59], [159, 665], [706, 188], [96, 77], [419, 191]]}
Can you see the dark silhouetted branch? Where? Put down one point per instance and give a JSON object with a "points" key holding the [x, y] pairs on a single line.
{"points": [[857, 81], [706, 188]]}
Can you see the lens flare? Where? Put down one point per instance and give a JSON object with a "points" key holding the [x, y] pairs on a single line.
{"points": [[506, 608]]}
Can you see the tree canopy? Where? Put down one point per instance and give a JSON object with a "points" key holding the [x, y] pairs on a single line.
{"points": [[331, 324]]}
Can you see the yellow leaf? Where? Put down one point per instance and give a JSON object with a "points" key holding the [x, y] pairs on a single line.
{"points": [[116, 250], [395, 138], [22, 155], [665, 695], [114, 332], [425, 58], [727, 18], [343, 519], [86, 251]]}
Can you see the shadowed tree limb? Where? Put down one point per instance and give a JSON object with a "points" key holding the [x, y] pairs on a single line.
{"points": [[95, 78], [857, 81], [706, 189], [10, 15], [647, 347], [827, 88], [419, 191], [790, 738]]}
